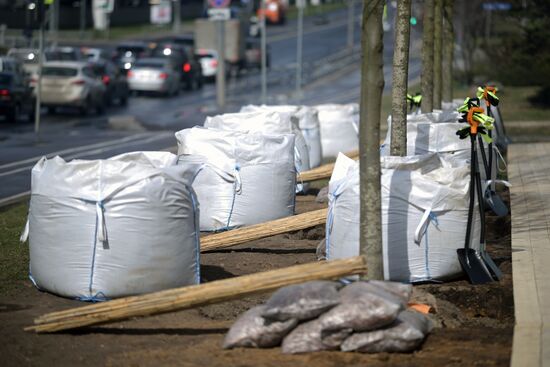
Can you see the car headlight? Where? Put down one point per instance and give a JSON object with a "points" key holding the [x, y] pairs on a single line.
{"points": [[127, 65], [272, 7]]}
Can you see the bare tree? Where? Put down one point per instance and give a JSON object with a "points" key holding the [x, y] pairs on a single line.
{"points": [[438, 52], [400, 74], [372, 85], [448, 51], [427, 78]]}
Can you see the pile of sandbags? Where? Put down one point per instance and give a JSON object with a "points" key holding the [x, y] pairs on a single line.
{"points": [[266, 122], [115, 227], [366, 317], [339, 128], [247, 178], [424, 214], [307, 121]]}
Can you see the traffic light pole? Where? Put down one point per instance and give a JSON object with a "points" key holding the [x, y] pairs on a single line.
{"points": [[38, 87]]}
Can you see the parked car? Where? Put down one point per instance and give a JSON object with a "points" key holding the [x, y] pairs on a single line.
{"points": [[209, 60], [155, 75], [72, 84], [253, 54], [64, 54], [115, 82], [190, 69], [126, 54], [15, 96], [28, 56]]}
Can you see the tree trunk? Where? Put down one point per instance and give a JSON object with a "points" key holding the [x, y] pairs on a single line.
{"points": [[428, 57], [372, 85], [438, 52], [448, 50], [398, 145]]}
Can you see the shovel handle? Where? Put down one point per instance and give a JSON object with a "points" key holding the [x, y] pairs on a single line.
{"points": [[486, 90], [470, 119]]}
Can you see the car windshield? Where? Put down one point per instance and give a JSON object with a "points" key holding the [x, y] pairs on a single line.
{"points": [[61, 56], [25, 57], [149, 64], [130, 51], [59, 71], [5, 79]]}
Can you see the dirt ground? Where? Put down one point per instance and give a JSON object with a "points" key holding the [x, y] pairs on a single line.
{"points": [[474, 323]]}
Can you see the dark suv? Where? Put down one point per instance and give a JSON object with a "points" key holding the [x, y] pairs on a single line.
{"points": [[189, 67], [114, 80], [15, 96]]}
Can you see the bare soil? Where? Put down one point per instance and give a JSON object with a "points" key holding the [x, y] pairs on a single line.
{"points": [[474, 323]]}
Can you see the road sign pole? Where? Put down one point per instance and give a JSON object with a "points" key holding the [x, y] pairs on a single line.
{"points": [[220, 75], [38, 87], [82, 18], [299, 46], [264, 55], [176, 28]]}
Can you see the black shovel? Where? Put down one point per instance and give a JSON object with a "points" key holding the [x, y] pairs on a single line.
{"points": [[492, 199], [471, 261]]}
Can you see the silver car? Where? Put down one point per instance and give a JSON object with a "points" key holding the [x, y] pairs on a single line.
{"points": [[154, 75], [73, 84]]}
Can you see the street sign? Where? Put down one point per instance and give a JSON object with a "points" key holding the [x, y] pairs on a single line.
{"points": [[219, 3], [219, 13]]}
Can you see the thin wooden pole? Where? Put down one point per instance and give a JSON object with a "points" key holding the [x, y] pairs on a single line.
{"points": [[448, 51], [438, 54], [196, 295], [372, 85], [400, 75], [427, 77], [263, 230]]}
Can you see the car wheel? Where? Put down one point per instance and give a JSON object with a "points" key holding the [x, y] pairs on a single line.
{"points": [[123, 101], [100, 107], [50, 110], [85, 109]]}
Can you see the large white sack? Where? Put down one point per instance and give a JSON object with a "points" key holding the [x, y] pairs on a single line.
{"points": [[115, 227], [424, 216], [308, 122], [339, 128], [438, 137], [266, 122], [249, 178], [453, 105]]}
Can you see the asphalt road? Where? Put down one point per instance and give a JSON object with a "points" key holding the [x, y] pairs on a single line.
{"points": [[331, 74]]}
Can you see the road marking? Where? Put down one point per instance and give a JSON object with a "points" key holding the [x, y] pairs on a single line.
{"points": [[73, 150], [93, 151]]}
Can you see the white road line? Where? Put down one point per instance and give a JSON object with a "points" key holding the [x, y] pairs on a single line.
{"points": [[14, 198], [93, 151], [75, 149]]}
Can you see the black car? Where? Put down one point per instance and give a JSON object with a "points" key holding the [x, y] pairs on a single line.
{"points": [[114, 80], [127, 53], [189, 66], [15, 96]]}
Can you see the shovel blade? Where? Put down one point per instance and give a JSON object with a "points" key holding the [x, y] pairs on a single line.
{"points": [[495, 203], [473, 266], [493, 268]]}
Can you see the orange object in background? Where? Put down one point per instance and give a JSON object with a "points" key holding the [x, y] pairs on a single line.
{"points": [[275, 12]]}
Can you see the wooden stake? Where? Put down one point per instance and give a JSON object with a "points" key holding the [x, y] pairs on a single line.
{"points": [[196, 295], [262, 230]]}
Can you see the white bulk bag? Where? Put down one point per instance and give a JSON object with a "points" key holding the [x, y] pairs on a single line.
{"points": [[308, 122], [115, 227], [453, 105], [248, 178], [266, 122], [339, 128], [424, 216]]}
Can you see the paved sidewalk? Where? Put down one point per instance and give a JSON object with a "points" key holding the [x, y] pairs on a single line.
{"points": [[529, 173]]}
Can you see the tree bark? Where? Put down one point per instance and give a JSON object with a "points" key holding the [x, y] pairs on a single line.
{"points": [[372, 85], [448, 51], [400, 74], [438, 53], [427, 78]]}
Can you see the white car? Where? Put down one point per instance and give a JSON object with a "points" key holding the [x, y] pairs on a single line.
{"points": [[209, 62], [154, 74], [71, 84]]}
